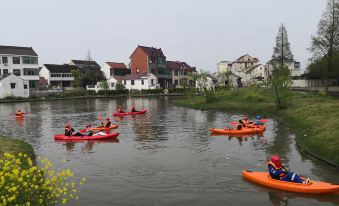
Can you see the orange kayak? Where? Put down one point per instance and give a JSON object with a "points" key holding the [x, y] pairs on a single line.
{"points": [[314, 187], [245, 130], [113, 126]]}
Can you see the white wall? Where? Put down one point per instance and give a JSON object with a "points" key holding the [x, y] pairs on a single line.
{"points": [[112, 83], [138, 83], [106, 69], [18, 91], [299, 83], [44, 72]]}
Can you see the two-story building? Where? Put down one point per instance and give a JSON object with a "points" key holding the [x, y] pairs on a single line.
{"points": [[181, 73], [58, 76], [292, 65], [22, 62], [151, 60], [114, 69]]}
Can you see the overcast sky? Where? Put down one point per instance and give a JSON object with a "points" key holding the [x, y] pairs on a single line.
{"points": [[200, 32]]}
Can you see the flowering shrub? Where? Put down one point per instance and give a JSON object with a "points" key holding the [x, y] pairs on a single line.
{"points": [[23, 183]]}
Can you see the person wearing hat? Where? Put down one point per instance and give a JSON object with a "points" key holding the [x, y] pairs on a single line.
{"points": [[279, 172]]}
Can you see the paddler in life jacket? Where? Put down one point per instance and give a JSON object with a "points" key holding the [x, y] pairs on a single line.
{"points": [[247, 123], [68, 130], [133, 109], [120, 109], [89, 132], [19, 113], [279, 172], [107, 123]]}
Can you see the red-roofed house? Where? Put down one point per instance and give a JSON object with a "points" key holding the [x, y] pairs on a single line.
{"points": [[181, 73], [151, 60], [114, 69]]}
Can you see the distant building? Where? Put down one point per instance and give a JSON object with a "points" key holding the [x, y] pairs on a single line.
{"points": [[254, 74], [181, 73], [22, 62], [112, 83], [13, 86], [246, 69], [230, 80], [140, 81], [59, 76], [113, 69], [151, 60], [224, 66], [85, 64], [292, 65]]}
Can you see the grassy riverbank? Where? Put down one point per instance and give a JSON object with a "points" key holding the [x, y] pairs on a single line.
{"points": [[313, 117], [14, 146]]}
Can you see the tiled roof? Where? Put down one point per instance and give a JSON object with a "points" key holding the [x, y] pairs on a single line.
{"points": [[250, 69], [115, 65], [17, 50], [177, 65], [152, 51], [85, 63], [63, 68]]}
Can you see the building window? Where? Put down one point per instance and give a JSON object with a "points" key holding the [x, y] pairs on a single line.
{"points": [[12, 85], [30, 60], [25, 86], [5, 60], [132, 82], [176, 82], [112, 84], [0, 71], [124, 82], [5, 71], [16, 60], [31, 72], [17, 72], [152, 81], [142, 82]]}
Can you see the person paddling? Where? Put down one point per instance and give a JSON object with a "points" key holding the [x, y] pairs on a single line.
{"points": [[133, 109], [19, 113], [68, 130], [107, 123], [120, 109], [279, 172]]}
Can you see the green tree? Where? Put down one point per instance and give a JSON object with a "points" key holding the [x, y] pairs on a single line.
{"points": [[280, 78], [77, 78], [205, 85], [325, 44], [104, 85], [119, 86]]}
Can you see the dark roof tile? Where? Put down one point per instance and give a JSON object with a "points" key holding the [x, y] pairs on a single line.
{"points": [[17, 50]]}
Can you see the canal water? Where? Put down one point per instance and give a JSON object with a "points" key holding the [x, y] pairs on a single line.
{"points": [[166, 157]]}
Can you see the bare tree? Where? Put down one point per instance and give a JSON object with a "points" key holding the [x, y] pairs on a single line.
{"points": [[325, 44]]}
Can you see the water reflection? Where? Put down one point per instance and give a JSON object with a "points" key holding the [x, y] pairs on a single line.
{"points": [[86, 145]]}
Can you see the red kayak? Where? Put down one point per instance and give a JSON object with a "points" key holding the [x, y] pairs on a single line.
{"points": [[130, 113], [94, 137]]}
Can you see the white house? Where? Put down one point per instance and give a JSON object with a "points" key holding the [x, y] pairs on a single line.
{"points": [[231, 80], [22, 62], [140, 81], [112, 83], [254, 74], [224, 66], [113, 69], [12, 85], [293, 66], [59, 76]]}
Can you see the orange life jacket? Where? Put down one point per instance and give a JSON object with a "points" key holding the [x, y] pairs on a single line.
{"points": [[19, 114]]}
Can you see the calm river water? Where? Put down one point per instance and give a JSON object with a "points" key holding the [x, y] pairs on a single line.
{"points": [[166, 157]]}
